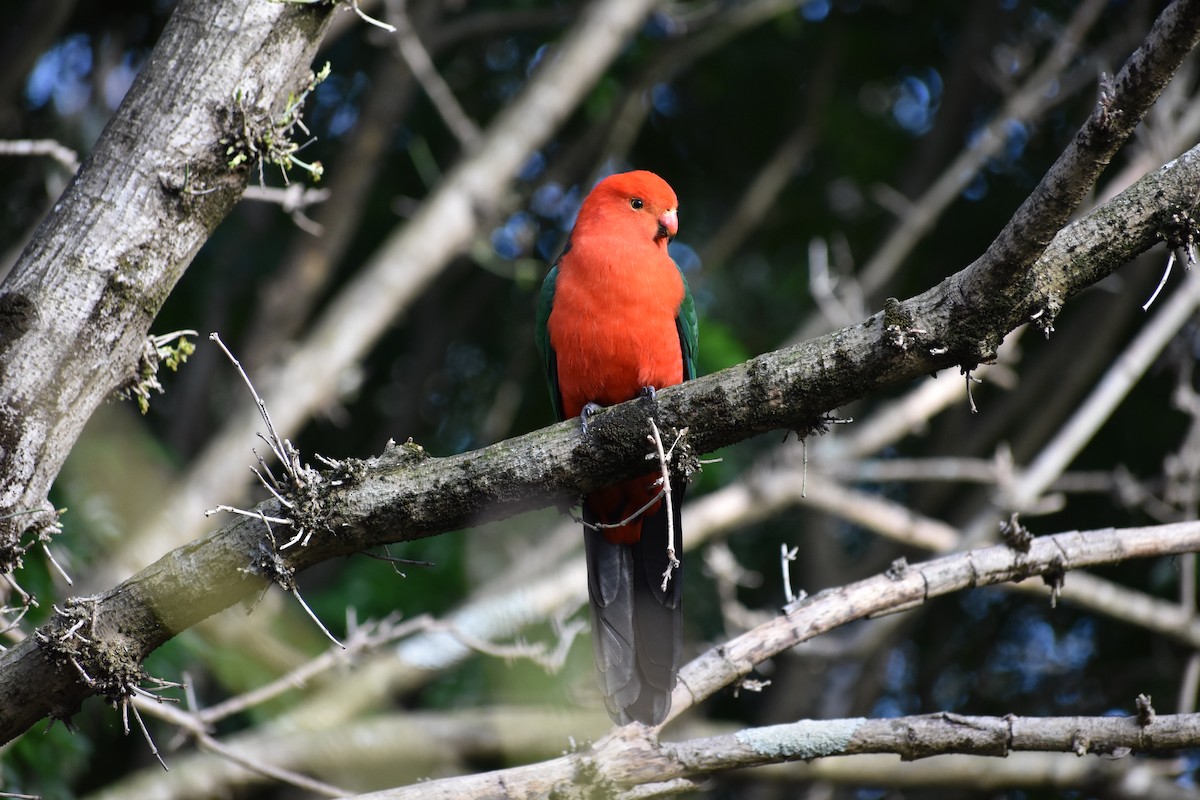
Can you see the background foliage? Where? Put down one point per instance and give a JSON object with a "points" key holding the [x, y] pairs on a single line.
{"points": [[855, 108]]}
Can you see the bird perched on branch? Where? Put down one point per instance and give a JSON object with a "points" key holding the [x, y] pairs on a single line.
{"points": [[616, 321]]}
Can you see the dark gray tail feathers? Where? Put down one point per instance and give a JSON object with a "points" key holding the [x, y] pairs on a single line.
{"points": [[637, 631]]}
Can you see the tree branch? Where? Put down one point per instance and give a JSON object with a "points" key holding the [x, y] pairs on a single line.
{"points": [[935, 734], [904, 587], [1125, 779], [77, 306], [67, 158], [405, 264], [1024, 106], [405, 494], [1121, 107], [410, 48], [632, 756]]}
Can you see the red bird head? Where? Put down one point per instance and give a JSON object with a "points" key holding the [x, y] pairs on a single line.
{"points": [[638, 202]]}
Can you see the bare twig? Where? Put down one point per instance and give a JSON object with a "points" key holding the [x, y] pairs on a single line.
{"points": [[787, 556], [915, 585], [245, 513], [41, 147], [879, 514], [198, 730], [1125, 371], [549, 660], [839, 308], [728, 574], [1162, 281], [367, 638], [294, 199], [604, 526], [665, 472], [316, 619], [281, 447], [1024, 105], [287, 581], [408, 44], [128, 704], [970, 379], [369, 19], [54, 561]]}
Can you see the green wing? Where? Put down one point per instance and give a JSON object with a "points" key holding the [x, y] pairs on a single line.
{"points": [[689, 330], [542, 337]]}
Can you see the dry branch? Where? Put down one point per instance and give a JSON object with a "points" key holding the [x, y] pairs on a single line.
{"points": [[937, 734], [65, 156], [632, 756], [904, 587], [1127, 779], [405, 494], [430, 742]]}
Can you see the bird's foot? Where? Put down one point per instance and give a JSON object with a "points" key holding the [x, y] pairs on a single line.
{"points": [[588, 411], [647, 391]]}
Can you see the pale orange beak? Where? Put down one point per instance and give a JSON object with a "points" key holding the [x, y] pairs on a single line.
{"points": [[668, 223]]}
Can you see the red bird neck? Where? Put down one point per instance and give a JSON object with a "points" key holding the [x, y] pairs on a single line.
{"points": [[605, 251], [606, 226]]}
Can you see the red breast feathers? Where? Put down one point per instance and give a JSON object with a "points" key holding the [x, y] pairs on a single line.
{"points": [[618, 294]]}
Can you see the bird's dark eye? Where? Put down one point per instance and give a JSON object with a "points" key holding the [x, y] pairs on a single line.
{"points": [[636, 203]]}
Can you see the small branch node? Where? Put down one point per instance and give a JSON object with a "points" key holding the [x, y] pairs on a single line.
{"points": [[971, 379], [756, 685], [1054, 577], [1145, 710], [897, 570], [1016, 535]]}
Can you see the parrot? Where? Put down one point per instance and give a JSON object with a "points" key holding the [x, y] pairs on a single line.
{"points": [[615, 321]]}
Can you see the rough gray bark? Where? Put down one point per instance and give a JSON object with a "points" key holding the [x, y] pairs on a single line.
{"points": [[76, 308]]}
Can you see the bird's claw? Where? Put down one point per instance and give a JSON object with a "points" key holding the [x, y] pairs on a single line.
{"points": [[588, 411]]}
